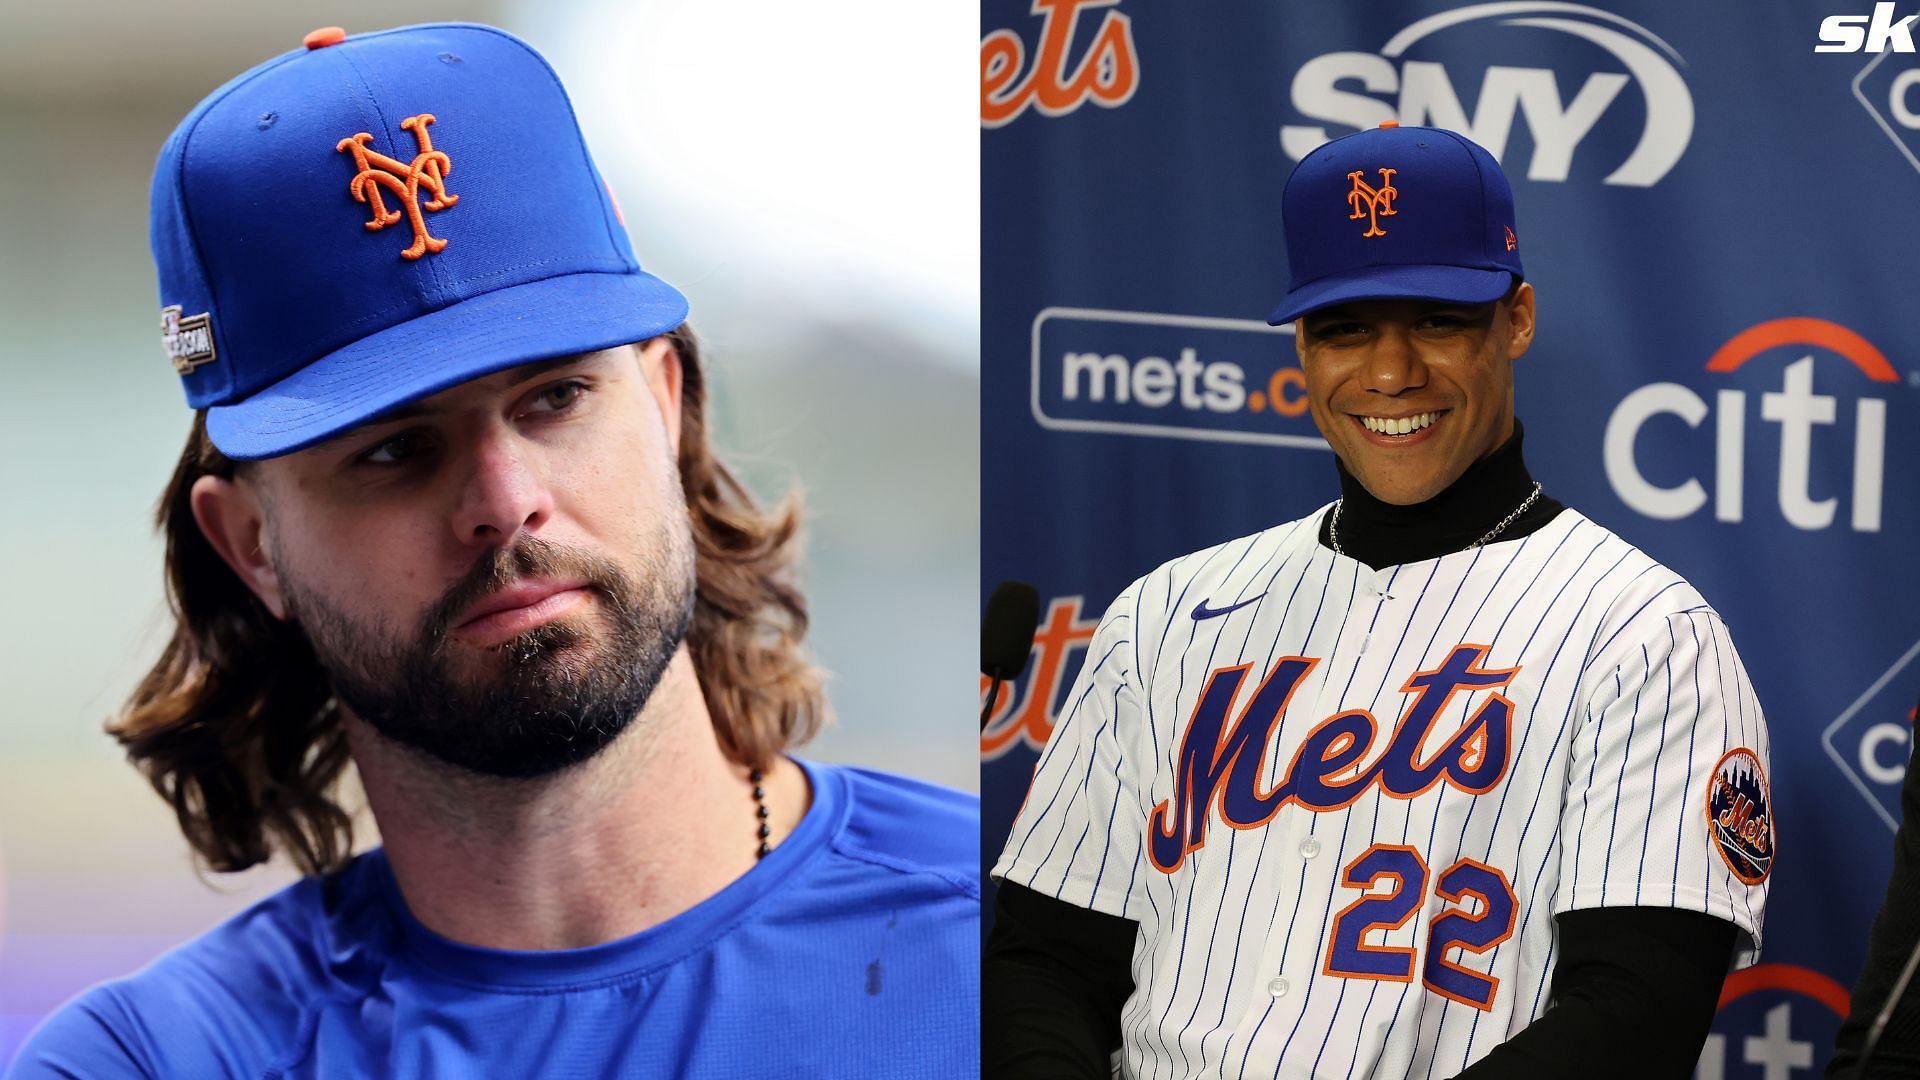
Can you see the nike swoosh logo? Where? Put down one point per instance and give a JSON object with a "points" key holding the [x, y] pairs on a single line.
{"points": [[1202, 611]]}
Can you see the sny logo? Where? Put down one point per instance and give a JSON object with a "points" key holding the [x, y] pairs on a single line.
{"points": [[428, 169], [1223, 764], [1359, 90], [1845, 33], [1371, 202]]}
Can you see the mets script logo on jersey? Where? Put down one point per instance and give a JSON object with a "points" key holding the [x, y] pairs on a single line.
{"points": [[1339, 88], [1107, 74], [1222, 764], [428, 169], [1813, 452], [1740, 816], [1372, 203]]}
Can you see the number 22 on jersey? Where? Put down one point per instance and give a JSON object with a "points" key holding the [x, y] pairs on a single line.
{"points": [[1474, 928]]}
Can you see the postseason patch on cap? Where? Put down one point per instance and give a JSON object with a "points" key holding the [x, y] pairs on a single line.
{"points": [[1740, 815], [188, 339]]}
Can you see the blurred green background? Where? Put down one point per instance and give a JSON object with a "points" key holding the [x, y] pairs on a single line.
{"points": [[807, 174]]}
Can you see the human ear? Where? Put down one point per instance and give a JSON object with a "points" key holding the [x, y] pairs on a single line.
{"points": [[1520, 315], [660, 364], [230, 517]]}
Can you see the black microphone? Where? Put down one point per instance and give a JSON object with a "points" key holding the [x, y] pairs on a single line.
{"points": [[1006, 636], [1879, 1025], [1886, 1011]]}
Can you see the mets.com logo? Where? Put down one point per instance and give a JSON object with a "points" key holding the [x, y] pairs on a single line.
{"points": [[1169, 376], [1360, 90]]}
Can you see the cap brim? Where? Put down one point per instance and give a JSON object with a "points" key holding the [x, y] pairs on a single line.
{"points": [[561, 316], [1447, 284]]}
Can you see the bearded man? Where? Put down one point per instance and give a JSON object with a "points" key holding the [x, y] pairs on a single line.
{"points": [[448, 514]]}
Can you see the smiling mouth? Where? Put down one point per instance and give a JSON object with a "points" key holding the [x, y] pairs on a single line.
{"points": [[1400, 427]]}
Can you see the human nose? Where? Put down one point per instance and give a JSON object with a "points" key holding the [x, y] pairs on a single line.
{"points": [[503, 491], [1393, 365]]}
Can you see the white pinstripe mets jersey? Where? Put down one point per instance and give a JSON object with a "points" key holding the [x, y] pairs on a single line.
{"points": [[1345, 805]]}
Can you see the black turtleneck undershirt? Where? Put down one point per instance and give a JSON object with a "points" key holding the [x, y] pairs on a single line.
{"points": [[1634, 988], [1382, 534]]}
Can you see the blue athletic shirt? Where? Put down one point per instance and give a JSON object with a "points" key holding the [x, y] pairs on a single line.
{"points": [[851, 950]]}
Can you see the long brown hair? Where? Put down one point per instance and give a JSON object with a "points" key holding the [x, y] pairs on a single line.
{"points": [[236, 728]]}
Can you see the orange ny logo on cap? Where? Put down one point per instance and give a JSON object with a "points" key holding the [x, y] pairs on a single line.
{"points": [[428, 169], [1370, 202]]}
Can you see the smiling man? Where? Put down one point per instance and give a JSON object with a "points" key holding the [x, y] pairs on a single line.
{"points": [[448, 519], [1444, 779]]}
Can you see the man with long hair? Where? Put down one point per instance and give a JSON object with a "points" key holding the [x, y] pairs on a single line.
{"points": [[448, 513]]}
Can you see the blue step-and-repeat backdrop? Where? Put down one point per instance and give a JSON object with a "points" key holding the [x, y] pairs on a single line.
{"points": [[1720, 223]]}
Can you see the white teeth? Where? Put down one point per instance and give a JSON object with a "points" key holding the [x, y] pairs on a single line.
{"points": [[1401, 426]]}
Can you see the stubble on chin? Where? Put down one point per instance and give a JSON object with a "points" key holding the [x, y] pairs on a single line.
{"points": [[540, 702]]}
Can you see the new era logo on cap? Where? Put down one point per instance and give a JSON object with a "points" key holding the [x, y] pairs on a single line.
{"points": [[1449, 237], [323, 308]]}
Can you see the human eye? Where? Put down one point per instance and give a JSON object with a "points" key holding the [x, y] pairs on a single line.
{"points": [[560, 397], [1338, 330], [397, 450]]}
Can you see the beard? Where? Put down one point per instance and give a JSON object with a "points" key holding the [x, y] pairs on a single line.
{"points": [[540, 702]]}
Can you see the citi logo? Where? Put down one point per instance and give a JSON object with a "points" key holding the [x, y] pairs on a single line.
{"points": [[1421, 92], [1106, 73], [1876, 33], [1804, 419]]}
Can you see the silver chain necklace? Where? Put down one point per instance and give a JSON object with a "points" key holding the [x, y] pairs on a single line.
{"points": [[1333, 527]]}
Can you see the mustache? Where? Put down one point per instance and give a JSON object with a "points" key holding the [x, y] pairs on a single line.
{"points": [[501, 567]]}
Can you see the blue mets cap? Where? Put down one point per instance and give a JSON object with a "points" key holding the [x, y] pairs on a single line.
{"points": [[371, 219], [1397, 213]]}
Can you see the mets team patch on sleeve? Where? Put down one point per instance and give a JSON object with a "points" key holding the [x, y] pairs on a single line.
{"points": [[1740, 816]]}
